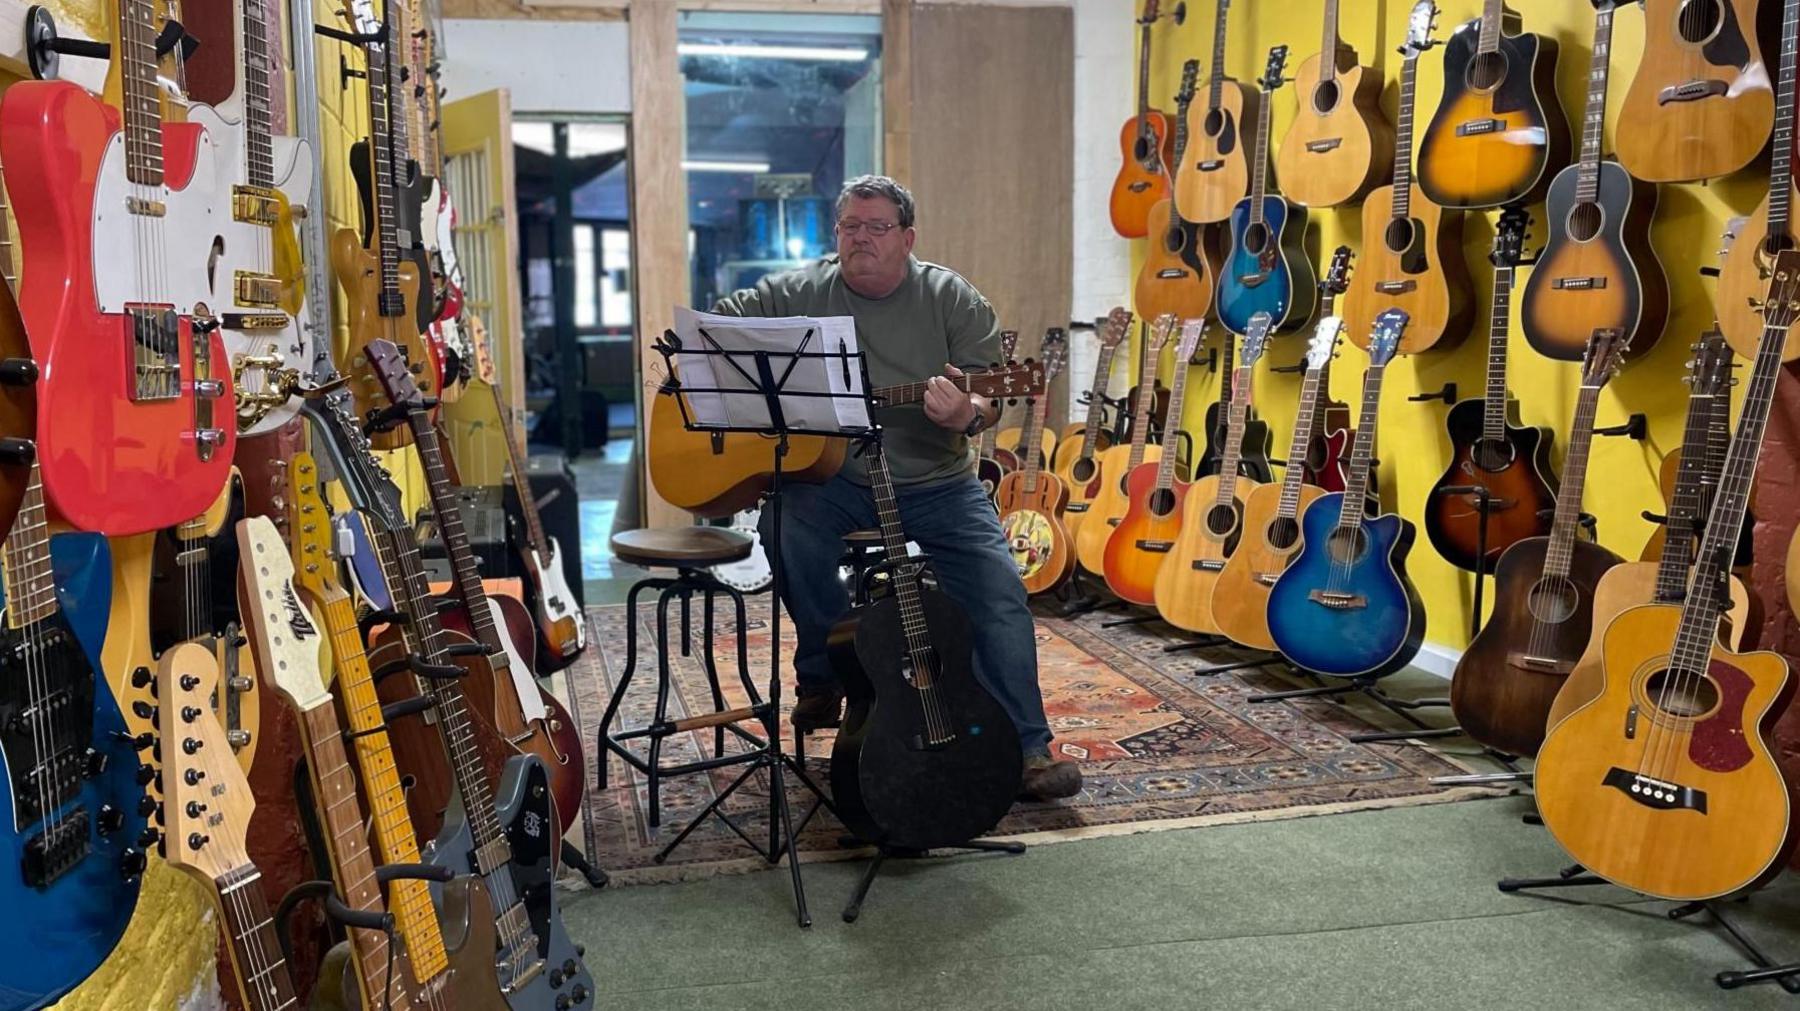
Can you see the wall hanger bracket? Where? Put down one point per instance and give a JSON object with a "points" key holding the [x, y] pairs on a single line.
{"points": [[1635, 427], [1447, 395]]}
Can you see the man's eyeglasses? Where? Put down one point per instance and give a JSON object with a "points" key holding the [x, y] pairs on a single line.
{"points": [[876, 229]]}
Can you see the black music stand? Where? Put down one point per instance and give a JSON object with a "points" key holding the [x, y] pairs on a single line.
{"points": [[766, 374]]}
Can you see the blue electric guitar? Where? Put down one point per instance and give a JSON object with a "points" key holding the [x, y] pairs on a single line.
{"points": [[71, 850], [1268, 269], [1345, 608]]}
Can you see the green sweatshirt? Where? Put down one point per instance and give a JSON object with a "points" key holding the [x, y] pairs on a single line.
{"points": [[933, 317]]}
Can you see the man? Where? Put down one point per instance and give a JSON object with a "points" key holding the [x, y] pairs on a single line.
{"points": [[913, 320]]}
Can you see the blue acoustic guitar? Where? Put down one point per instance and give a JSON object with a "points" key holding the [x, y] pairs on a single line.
{"points": [[70, 853], [1345, 608], [1268, 269]]}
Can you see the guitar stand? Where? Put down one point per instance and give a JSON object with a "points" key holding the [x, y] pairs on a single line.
{"points": [[853, 909], [340, 912], [1267, 657], [1484, 504], [575, 858], [1370, 687], [1080, 601]]}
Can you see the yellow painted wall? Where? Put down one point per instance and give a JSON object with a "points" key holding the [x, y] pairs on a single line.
{"points": [[1413, 447]]}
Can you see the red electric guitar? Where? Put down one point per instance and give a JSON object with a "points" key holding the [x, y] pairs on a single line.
{"points": [[135, 420]]}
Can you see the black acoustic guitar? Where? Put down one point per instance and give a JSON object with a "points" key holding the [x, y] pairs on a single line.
{"points": [[926, 758], [1253, 452]]}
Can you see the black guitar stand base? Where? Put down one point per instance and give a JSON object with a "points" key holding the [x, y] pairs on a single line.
{"points": [[853, 908], [573, 857], [1370, 687]]}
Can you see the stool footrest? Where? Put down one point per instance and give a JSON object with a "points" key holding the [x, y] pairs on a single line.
{"points": [[716, 719]]}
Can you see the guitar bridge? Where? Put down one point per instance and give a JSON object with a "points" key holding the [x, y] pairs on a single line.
{"points": [[1692, 91], [1212, 165], [1338, 600], [57, 850], [1159, 547], [1138, 187], [155, 354], [256, 205], [1252, 280], [1540, 664], [1210, 565], [1171, 274], [253, 321], [1076, 507], [1395, 287], [1477, 127], [1266, 578], [207, 436], [1578, 284], [1655, 793], [261, 291], [1325, 145]]}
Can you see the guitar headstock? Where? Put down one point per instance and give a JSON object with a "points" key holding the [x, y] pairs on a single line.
{"points": [[1606, 349], [1509, 237], [367, 482], [1009, 381], [1152, 11], [1271, 78], [282, 634], [310, 526], [1781, 299], [392, 372], [1337, 276], [1190, 76], [1322, 346], [1116, 328], [1419, 26], [1055, 353], [206, 804], [484, 359], [1009, 344], [1160, 332], [1384, 341], [1709, 371], [1193, 331], [1256, 338]]}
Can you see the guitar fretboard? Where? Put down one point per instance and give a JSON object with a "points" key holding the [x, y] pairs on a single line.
{"points": [[141, 100], [1574, 480], [1328, 49], [1291, 478], [258, 111], [1705, 439], [1593, 127], [1216, 84], [1491, 13], [1090, 434], [1493, 407], [1356, 484], [1259, 174], [1165, 465], [1403, 139], [383, 152], [263, 978], [25, 560], [1234, 434], [1781, 159]]}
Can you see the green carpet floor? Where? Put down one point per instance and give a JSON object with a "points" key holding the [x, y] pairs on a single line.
{"points": [[1384, 909]]}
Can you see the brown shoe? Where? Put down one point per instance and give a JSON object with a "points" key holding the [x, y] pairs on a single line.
{"points": [[817, 708], [1047, 778]]}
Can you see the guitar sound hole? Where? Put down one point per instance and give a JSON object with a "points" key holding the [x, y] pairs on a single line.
{"points": [[1487, 70], [1346, 546], [1773, 244], [1699, 20], [1494, 454], [1284, 534], [1141, 150], [1162, 502], [1172, 239], [1256, 238], [1215, 123], [1398, 235], [1221, 520], [1585, 221], [1083, 471], [1682, 695], [1553, 600], [1325, 97]]}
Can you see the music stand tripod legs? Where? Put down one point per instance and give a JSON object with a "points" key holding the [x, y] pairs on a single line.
{"points": [[853, 908]]}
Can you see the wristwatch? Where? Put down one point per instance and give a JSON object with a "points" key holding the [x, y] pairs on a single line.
{"points": [[975, 425]]}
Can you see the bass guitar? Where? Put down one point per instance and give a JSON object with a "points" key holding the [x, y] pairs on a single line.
{"points": [[1690, 475], [1253, 442], [1339, 143], [1107, 506], [561, 627], [1412, 256], [1344, 607], [926, 757], [1240, 595], [1598, 270], [503, 801], [1153, 513], [1143, 177], [1666, 783], [1489, 448], [1328, 440], [1507, 679], [1267, 269], [1499, 134], [1180, 261], [1212, 519], [1215, 173], [1080, 474], [70, 779], [113, 249], [1754, 242], [1700, 104], [1031, 499]]}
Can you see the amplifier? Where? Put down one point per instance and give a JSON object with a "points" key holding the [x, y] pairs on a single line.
{"points": [[484, 519]]}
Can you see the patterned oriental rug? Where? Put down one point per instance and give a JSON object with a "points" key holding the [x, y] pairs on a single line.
{"points": [[1160, 747]]}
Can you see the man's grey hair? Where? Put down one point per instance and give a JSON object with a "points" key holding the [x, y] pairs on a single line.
{"points": [[878, 186]]}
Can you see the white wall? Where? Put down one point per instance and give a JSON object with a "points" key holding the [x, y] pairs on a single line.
{"points": [[1103, 100], [549, 66]]}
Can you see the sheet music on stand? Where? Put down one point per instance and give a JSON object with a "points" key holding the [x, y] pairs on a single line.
{"points": [[815, 363]]}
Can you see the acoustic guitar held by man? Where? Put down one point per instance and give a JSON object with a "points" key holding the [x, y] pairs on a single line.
{"points": [[914, 321]]}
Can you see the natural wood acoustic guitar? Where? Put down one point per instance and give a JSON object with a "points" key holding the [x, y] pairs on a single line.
{"points": [[1080, 473], [1214, 173], [1181, 260], [1107, 507], [1339, 144], [1031, 499], [1700, 104]]}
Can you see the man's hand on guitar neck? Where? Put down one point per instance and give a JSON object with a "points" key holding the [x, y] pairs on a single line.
{"points": [[953, 408]]}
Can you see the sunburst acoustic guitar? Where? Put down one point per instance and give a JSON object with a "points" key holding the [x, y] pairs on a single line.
{"points": [[1107, 507]]}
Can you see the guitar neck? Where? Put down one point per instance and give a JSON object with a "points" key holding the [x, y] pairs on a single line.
{"points": [[1587, 181], [382, 155], [1034, 439], [25, 561], [1356, 484], [1216, 85], [1259, 175], [1687, 506], [1090, 434], [1143, 401], [1234, 435], [259, 152], [1492, 12], [1165, 465], [264, 982], [1403, 139], [1493, 408], [905, 577], [1574, 480], [521, 480], [1143, 78], [141, 98], [1291, 478], [1781, 159], [1328, 49], [455, 538]]}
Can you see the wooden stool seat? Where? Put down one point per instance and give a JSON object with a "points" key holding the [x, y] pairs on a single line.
{"points": [[681, 547]]}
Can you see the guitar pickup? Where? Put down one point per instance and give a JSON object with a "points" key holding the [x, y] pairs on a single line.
{"points": [[1171, 274], [1540, 664], [1160, 547], [1578, 283], [254, 320], [258, 290], [1210, 565], [1655, 793], [1477, 127], [1691, 91], [146, 208], [1325, 145], [1395, 287], [256, 205], [1338, 600]]}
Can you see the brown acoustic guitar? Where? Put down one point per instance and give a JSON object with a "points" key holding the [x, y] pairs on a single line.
{"points": [[1507, 680], [1700, 104], [1143, 177], [1212, 518], [1214, 173], [1107, 507], [1412, 257], [718, 474], [1661, 577], [1080, 472], [1181, 260], [1271, 538], [1031, 499], [1339, 144], [1752, 243]]}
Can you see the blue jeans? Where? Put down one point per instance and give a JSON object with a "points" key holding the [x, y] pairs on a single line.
{"points": [[955, 524]]}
